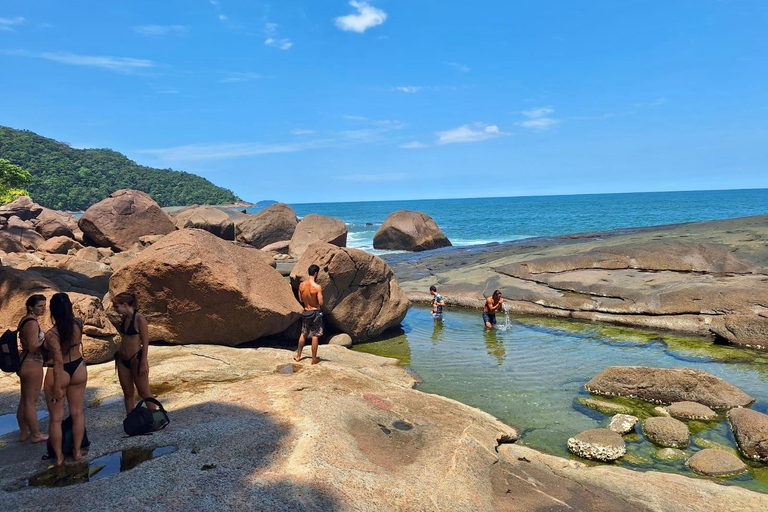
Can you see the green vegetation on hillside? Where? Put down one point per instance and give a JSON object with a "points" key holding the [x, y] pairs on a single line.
{"points": [[64, 178], [12, 178]]}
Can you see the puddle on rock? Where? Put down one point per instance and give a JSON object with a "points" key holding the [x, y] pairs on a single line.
{"points": [[98, 468], [9, 424], [288, 368], [402, 425]]}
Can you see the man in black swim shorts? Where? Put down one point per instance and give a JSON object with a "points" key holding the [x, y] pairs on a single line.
{"points": [[311, 296], [493, 304]]}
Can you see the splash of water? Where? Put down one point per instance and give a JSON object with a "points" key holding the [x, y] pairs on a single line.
{"points": [[507, 322]]}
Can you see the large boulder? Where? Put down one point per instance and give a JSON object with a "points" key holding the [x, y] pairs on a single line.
{"points": [[667, 385], [10, 243], [121, 219], [22, 207], [317, 228], [360, 292], [409, 231], [272, 224], [51, 223], [194, 287], [209, 218], [750, 428], [100, 339], [24, 232]]}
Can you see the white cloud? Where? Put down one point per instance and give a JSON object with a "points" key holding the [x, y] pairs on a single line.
{"points": [[414, 145], [7, 24], [459, 66], [118, 64], [367, 17], [476, 132], [240, 77], [301, 131], [161, 30], [283, 44], [408, 88], [538, 118]]}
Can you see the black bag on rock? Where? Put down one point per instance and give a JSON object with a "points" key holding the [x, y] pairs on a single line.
{"points": [[142, 420], [67, 440]]}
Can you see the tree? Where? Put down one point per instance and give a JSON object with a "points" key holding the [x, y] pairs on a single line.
{"points": [[12, 179]]}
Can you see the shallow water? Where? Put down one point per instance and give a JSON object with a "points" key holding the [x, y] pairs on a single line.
{"points": [[9, 424], [531, 375]]}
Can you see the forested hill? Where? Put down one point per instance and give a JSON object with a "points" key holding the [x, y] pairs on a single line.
{"points": [[73, 179]]}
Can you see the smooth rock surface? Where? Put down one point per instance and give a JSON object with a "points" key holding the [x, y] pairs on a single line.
{"points": [[344, 340], [194, 287], [598, 444], [750, 428], [710, 462], [273, 224], [122, 218], [208, 218], [59, 245], [667, 385], [666, 432], [317, 228], [409, 231], [360, 291], [691, 411]]}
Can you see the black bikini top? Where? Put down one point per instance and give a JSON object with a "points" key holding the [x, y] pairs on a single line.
{"points": [[131, 330]]}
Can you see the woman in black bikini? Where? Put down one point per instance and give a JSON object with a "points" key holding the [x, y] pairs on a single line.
{"points": [[69, 375], [131, 357], [31, 371]]}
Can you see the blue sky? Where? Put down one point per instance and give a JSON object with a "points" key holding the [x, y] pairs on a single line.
{"points": [[332, 100]]}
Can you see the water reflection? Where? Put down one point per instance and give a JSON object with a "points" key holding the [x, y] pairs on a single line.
{"points": [[437, 329], [494, 345]]}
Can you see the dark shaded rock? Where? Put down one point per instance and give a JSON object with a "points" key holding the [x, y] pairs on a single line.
{"points": [[409, 231], [667, 385]]}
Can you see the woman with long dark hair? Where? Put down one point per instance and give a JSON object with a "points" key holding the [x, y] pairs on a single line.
{"points": [[30, 374], [131, 359], [69, 375]]}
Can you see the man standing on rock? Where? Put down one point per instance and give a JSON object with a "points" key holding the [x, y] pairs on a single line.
{"points": [[493, 304], [311, 296]]}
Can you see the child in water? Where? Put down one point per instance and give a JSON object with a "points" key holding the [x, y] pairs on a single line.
{"points": [[437, 304]]}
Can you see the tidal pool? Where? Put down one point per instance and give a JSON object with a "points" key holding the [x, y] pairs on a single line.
{"points": [[532, 374]]}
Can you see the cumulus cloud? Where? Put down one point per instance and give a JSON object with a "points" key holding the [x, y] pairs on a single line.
{"points": [[476, 132], [161, 30], [367, 17], [118, 64], [538, 118], [283, 44]]}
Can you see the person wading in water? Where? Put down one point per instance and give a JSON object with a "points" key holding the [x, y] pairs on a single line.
{"points": [[311, 296]]}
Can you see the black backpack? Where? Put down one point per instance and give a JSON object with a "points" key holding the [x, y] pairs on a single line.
{"points": [[142, 420], [9, 349], [67, 440]]}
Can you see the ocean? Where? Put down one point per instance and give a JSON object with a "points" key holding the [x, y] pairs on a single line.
{"points": [[500, 219]]}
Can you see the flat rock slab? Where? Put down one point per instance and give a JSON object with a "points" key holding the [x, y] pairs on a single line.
{"points": [[598, 444], [668, 385], [667, 432], [691, 411], [623, 424], [750, 428], [720, 463], [604, 407]]}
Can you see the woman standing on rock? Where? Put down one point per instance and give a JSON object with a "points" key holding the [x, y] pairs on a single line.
{"points": [[69, 375], [131, 357], [31, 371]]}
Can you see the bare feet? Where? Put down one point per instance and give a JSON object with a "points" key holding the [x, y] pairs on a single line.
{"points": [[60, 462], [297, 358], [39, 438], [77, 455], [24, 436], [315, 360]]}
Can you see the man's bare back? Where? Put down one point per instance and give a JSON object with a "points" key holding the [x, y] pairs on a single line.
{"points": [[311, 295]]}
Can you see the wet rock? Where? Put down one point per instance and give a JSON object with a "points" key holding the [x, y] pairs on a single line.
{"points": [[59, 245], [604, 407], [409, 231], [360, 292], [317, 228], [208, 218], [197, 288], [691, 411], [670, 454], [623, 424], [271, 225], [667, 385], [717, 463], [598, 444], [750, 428], [122, 218], [666, 432], [345, 340]]}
